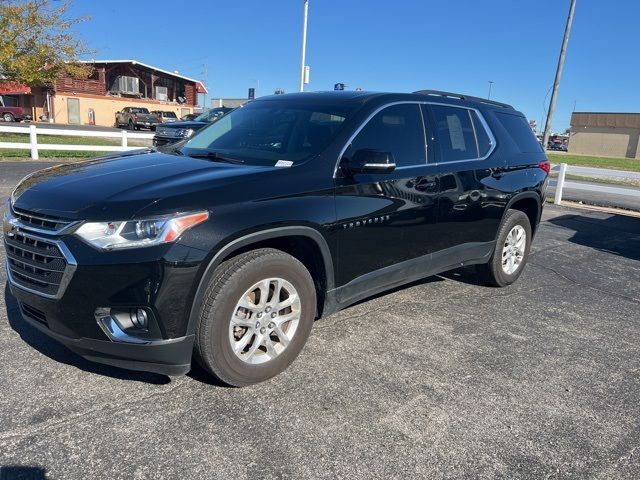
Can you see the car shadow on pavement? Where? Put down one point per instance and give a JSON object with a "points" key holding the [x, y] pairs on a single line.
{"points": [[616, 234], [58, 352], [466, 275], [19, 472]]}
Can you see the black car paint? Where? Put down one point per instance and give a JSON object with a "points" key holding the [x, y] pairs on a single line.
{"points": [[367, 237]]}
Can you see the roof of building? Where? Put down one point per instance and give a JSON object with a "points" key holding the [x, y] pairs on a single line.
{"points": [[605, 119], [200, 87]]}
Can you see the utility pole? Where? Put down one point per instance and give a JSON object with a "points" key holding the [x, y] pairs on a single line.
{"points": [[304, 43], [206, 82], [556, 83], [490, 85]]}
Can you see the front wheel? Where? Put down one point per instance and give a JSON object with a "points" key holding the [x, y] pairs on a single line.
{"points": [[256, 316], [511, 251], [8, 117]]}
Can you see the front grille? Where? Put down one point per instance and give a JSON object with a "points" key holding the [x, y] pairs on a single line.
{"points": [[34, 313], [167, 132], [34, 263], [40, 221]]}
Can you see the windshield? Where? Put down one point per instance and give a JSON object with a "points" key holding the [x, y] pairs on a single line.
{"points": [[265, 132], [139, 110], [169, 115], [210, 115]]}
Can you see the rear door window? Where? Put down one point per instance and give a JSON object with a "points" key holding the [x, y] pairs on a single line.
{"points": [[456, 137], [520, 131], [482, 137]]}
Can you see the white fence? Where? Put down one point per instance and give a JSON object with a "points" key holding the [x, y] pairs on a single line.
{"points": [[585, 187], [34, 132]]}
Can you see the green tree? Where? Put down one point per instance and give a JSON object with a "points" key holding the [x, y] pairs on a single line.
{"points": [[37, 44]]}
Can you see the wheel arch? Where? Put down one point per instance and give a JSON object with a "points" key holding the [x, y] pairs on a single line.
{"points": [[530, 204], [304, 243]]}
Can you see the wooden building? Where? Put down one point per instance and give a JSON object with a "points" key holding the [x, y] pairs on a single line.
{"points": [[113, 85]]}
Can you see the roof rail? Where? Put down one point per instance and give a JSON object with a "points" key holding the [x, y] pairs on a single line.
{"points": [[460, 96]]}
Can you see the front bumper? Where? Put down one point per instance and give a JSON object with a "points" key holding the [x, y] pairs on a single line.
{"points": [[161, 280], [167, 357]]}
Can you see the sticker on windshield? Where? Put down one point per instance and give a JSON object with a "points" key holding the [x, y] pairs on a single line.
{"points": [[284, 163]]}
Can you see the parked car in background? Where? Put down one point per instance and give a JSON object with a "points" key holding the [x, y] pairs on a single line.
{"points": [[558, 146], [165, 117], [173, 132], [13, 114], [135, 118], [190, 116]]}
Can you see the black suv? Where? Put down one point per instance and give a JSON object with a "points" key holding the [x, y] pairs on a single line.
{"points": [[229, 246]]}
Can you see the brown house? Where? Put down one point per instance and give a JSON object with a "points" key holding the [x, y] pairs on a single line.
{"points": [[605, 134], [114, 84]]}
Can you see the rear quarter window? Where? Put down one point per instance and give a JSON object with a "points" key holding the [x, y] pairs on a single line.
{"points": [[519, 130]]}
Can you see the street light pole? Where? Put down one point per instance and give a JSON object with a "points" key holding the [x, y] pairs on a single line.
{"points": [[556, 83], [304, 43], [490, 85]]}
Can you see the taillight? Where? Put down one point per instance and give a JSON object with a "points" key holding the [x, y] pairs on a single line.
{"points": [[545, 165]]}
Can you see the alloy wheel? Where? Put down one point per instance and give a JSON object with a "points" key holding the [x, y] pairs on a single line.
{"points": [[514, 249], [264, 320]]}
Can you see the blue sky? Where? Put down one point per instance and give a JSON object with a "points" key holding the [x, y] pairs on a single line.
{"points": [[398, 45]]}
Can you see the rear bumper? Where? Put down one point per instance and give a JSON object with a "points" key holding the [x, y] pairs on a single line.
{"points": [[166, 357]]}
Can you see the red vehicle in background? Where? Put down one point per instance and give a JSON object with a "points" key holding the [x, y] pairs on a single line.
{"points": [[13, 114]]}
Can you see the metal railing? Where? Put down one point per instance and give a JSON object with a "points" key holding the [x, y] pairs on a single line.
{"points": [[34, 146]]}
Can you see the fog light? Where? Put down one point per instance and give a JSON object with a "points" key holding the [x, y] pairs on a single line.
{"points": [[139, 318]]}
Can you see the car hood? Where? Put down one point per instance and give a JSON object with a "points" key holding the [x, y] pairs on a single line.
{"points": [[118, 187]]}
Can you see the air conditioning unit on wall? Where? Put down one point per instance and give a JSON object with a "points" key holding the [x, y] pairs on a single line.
{"points": [[162, 93], [125, 84]]}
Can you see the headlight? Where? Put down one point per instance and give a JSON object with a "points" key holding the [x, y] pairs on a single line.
{"points": [[138, 233], [185, 132]]}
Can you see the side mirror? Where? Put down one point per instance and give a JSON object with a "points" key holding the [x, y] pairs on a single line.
{"points": [[370, 161]]}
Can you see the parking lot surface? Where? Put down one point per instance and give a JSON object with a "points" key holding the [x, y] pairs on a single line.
{"points": [[443, 379]]}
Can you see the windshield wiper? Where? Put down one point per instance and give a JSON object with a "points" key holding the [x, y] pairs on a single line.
{"points": [[213, 155]]}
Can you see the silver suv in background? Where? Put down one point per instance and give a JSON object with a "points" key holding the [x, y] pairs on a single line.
{"points": [[165, 117]]}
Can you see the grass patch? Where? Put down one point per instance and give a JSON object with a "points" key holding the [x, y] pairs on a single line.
{"points": [[628, 164], [60, 140]]}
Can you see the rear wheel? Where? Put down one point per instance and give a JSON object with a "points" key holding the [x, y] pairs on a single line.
{"points": [[8, 117], [511, 251], [257, 314]]}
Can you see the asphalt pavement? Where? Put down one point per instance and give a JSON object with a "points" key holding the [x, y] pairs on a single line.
{"points": [[445, 378]]}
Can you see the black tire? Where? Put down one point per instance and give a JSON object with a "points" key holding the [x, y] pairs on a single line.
{"points": [[213, 350], [492, 272], [8, 117]]}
